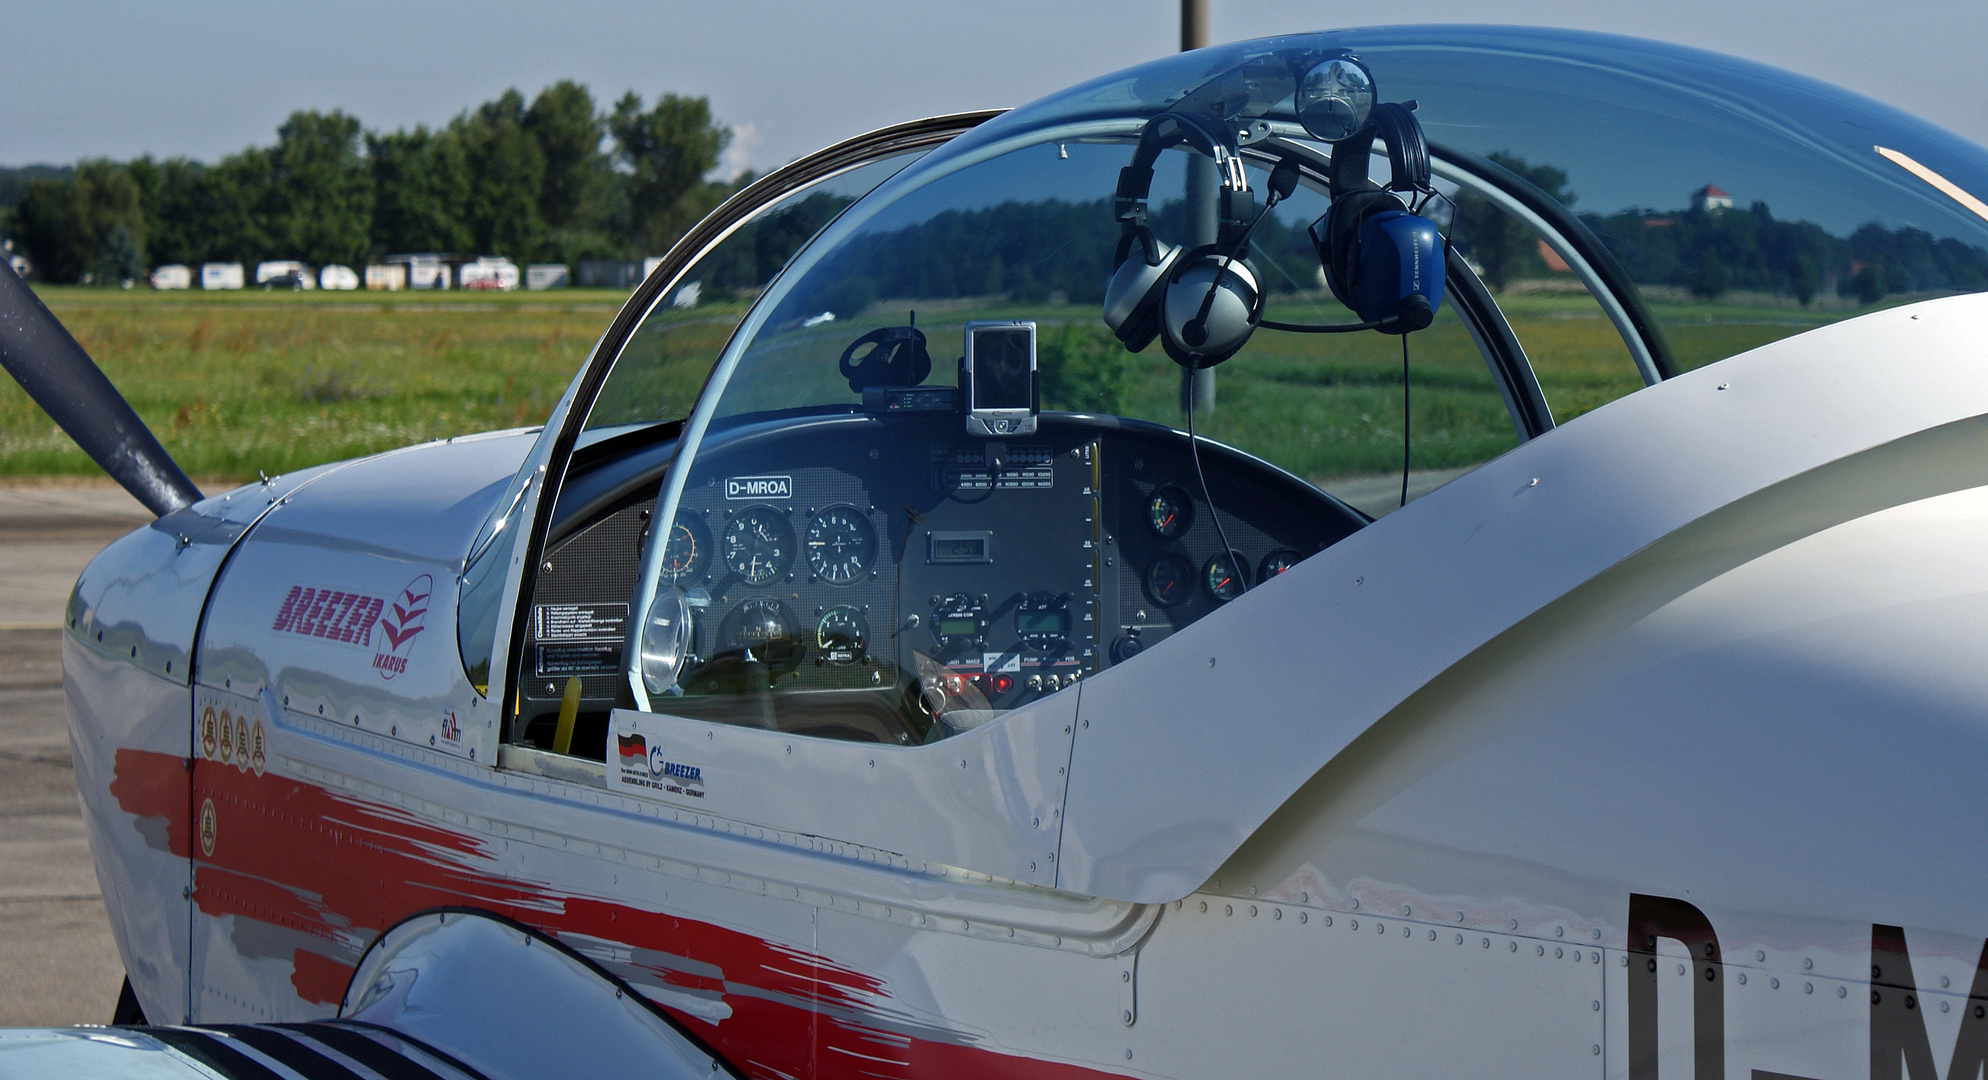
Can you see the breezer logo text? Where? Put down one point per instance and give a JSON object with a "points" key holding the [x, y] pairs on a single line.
{"points": [[345, 617]]}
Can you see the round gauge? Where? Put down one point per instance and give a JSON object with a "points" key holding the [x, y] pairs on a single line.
{"points": [[958, 621], [1042, 622], [841, 544], [1169, 511], [1227, 576], [1277, 562], [1169, 580], [764, 628], [843, 635], [759, 545], [688, 550]]}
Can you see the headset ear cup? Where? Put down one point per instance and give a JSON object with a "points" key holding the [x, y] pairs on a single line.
{"points": [[1132, 295], [1339, 248], [1236, 307]]}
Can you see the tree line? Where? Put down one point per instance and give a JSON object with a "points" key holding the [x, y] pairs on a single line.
{"points": [[1714, 251], [555, 179]]}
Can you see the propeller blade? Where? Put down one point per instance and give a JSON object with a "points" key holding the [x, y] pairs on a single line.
{"points": [[40, 354]]}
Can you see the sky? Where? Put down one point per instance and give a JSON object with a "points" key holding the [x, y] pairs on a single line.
{"points": [[89, 78]]}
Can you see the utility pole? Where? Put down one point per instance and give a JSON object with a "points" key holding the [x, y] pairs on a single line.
{"points": [[1197, 388]]}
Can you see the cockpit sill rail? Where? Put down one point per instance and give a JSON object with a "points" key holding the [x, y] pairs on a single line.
{"points": [[867, 882]]}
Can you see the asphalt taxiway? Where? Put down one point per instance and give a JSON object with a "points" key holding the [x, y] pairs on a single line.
{"points": [[58, 964]]}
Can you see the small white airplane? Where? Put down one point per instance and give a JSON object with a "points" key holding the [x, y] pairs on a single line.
{"points": [[974, 718]]}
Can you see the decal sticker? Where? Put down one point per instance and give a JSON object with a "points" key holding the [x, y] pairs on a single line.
{"points": [[644, 764], [329, 614], [451, 730], [257, 750], [399, 625], [579, 622], [759, 487], [227, 753], [242, 743], [207, 828], [210, 735], [593, 658]]}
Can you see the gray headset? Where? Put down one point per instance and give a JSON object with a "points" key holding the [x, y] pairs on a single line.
{"points": [[1203, 303]]}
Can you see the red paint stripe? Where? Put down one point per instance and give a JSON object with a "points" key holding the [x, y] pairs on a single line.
{"points": [[344, 870]]}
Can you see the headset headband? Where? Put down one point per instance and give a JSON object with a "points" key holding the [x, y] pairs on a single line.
{"points": [[1393, 124], [1207, 134]]}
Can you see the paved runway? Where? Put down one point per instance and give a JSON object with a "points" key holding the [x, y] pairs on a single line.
{"points": [[57, 962]]}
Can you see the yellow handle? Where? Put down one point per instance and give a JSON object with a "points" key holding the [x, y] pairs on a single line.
{"points": [[569, 710]]}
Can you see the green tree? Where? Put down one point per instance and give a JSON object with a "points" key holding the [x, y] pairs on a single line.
{"points": [[506, 172], [320, 199], [667, 150], [1083, 369], [1495, 240], [1711, 278], [119, 259], [421, 187], [66, 225], [1804, 280], [573, 197]]}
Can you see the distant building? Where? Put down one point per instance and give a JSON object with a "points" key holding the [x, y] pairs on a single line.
{"points": [[547, 276], [387, 277], [1710, 198], [430, 269], [172, 276], [337, 277], [220, 275]]}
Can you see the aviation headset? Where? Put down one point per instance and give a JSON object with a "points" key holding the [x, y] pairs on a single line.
{"points": [[1201, 303], [1381, 259]]}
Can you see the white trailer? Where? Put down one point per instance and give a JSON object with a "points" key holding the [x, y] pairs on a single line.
{"points": [[220, 275], [547, 276], [172, 276], [489, 272], [341, 278]]}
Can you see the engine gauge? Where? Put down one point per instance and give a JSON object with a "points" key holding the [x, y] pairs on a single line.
{"points": [[842, 635], [759, 545], [1169, 580], [1042, 623], [841, 544], [688, 550], [959, 622], [1277, 562], [1227, 575], [764, 628], [1169, 511]]}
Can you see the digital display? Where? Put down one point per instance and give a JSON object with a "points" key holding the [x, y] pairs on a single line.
{"points": [[959, 627], [1052, 623], [1001, 377], [960, 549]]}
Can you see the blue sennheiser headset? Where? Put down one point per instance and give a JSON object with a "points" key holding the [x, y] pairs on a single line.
{"points": [[1382, 259]]}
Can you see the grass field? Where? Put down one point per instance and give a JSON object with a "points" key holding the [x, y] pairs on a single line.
{"points": [[234, 383]]}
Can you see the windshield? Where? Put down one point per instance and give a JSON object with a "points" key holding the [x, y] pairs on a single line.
{"points": [[871, 537]]}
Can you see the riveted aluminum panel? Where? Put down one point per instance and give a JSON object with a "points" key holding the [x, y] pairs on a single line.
{"points": [[343, 599], [987, 800], [1261, 694]]}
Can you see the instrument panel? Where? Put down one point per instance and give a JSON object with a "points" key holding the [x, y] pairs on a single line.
{"points": [[893, 580]]}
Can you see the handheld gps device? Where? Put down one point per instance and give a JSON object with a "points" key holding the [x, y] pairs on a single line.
{"points": [[998, 378]]}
